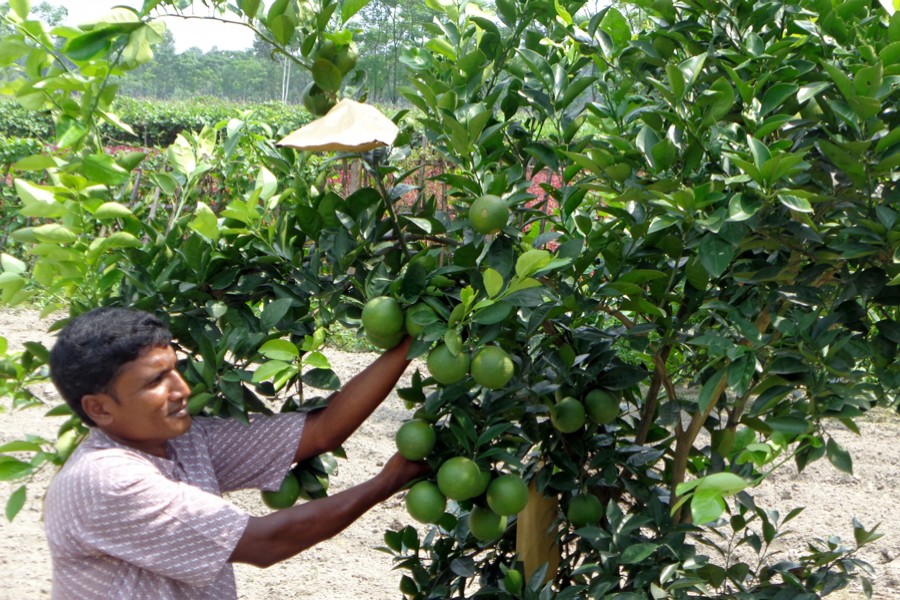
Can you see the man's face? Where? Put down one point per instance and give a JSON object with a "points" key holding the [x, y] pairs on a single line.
{"points": [[148, 402]]}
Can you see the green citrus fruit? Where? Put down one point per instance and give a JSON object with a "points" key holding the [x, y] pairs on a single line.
{"points": [[425, 503], [492, 367], [415, 439], [460, 478], [507, 495], [327, 50], [513, 582], [484, 483], [485, 524], [602, 407], [382, 317], [385, 343], [285, 496], [584, 509], [419, 316], [316, 101], [568, 415], [446, 368], [346, 57], [488, 214]]}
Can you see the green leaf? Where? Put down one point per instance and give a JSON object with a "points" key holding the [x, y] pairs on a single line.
{"points": [[843, 83], [759, 151], [249, 7], [723, 483], [274, 312], [54, 233], [11, 50], [282, 28], [636, 553], [616, 25], [11, 264], [269, 370], [121, 239], [531, 262], [326, 75], [11, 468], [103, 169], [709, 388], [706, 506], [21, 8], [838, 456], [323, 379], [205, 222], [38, 201], [795, 202], [350, 8], [715, 254], [20, 446], [89, 45], [112, 210], [279, 350], [493, 282], [495, 313], [15, 503], [776, 95], [317, 360]]}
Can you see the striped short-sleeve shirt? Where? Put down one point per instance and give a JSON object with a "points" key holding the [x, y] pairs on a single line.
{"points": [[122, 523]]}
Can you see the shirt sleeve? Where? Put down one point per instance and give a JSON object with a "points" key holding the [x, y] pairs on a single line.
{"points": [[171, 528], [255, 456]]}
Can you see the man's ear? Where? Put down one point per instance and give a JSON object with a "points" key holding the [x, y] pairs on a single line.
{"points": [[97, 407]]}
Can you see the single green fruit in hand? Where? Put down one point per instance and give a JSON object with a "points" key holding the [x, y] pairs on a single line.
{"points": [[286, 495], [602, 406], [418, 317], [584, 509], [567, 415], [488, 214], [459, 478], [492, 367], [385, 343], [425, 503], [415, 439], [485, 524], [382, 317], [446, 368], [507, 495]]}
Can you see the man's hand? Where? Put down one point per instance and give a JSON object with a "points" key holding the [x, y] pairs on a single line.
{"points": [[282, 534], [399, 471]]}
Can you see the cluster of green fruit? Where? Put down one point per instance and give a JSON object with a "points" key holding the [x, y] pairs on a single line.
{"points": [[330, 63], [385, 322], [570, 414], [459, 478]]}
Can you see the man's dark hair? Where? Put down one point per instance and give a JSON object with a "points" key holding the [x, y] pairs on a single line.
{"points": [[92, 348]]}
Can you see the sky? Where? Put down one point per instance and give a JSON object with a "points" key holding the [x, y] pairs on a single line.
{"points": [[188, 32]]}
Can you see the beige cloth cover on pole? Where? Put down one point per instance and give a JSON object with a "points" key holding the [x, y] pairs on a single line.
{"points": [[349, 126]]}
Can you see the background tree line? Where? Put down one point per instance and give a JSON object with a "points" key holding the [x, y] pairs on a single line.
{"points": [[258, 75]]}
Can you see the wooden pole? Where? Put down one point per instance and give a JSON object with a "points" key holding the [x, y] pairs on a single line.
{"points": [[536, 541]]}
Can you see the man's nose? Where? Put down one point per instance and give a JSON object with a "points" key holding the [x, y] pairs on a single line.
{"points": [[179, 385]]}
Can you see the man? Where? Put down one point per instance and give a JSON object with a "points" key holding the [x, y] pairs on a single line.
{"points": [[136, 511]]}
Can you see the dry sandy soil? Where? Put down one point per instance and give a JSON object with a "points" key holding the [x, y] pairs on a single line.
{"points": [[348, 567]]}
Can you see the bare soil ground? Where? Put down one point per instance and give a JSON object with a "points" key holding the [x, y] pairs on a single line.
{"points": [[349, 567]]}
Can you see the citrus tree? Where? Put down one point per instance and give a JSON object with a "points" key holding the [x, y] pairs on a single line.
{"points": [[666, 259]]}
